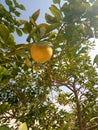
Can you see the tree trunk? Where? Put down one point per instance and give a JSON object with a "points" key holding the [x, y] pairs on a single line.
{"points": [[79, 112]]}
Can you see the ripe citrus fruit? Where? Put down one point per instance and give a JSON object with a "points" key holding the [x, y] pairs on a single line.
{"points": [[41, 53]]}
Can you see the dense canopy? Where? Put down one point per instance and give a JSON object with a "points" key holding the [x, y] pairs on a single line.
{"points": [[62, 93]]}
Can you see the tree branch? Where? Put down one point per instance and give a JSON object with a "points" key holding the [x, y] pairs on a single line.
{"points": [[93, 127], [79, 112]]}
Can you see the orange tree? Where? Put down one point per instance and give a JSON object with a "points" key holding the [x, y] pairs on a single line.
{"points": [[28, 89]]}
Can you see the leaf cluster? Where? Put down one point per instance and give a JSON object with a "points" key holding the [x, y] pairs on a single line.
{"points": [[28, 89]]}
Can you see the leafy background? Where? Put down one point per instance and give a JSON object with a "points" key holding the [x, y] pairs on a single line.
{"points": [[28, 89]]}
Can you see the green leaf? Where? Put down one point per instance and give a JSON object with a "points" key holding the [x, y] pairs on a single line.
{"points": [[11, 28], [4, 128], [1, 7], [22, 21], [43, 29], [23, 126], [17, 13], [9, 2], [60, 38], [20, 52], [28, 62], [4, 107], [96, 59], [53, 26], [56, 12], [50, 19], [56, 1], [35, 15], [19, 32], [22, 7], [3, 72], [4, 32], [28, 38], [27, 27], [16, 3], [10, 40]]}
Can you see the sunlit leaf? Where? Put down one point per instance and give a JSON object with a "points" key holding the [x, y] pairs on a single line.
{"points": [[23, 126], [43, 29], [22, 21], [56, 12], [28, 62], [35, 15], [53, 26], [96, 16]]}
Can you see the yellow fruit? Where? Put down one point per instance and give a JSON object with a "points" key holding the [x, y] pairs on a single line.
{"points": [[41, 53]]}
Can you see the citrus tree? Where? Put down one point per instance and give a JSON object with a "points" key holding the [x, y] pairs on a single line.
{"points": [[52, 70]]}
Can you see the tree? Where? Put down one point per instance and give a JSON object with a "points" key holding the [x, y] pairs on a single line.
{"points": [[27, 88]]}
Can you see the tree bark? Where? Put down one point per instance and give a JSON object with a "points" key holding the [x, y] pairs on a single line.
{"points": [[79, 112]]}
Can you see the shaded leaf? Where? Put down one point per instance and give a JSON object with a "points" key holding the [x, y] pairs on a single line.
{"points": [[96, 59], [9, 2], [50, 19], [4, 107], [4, 32], [56, 1], [10, 40], [27, 27], [16, 3], [11, 28], [22, 7], [20, 52], [16, 13], [3, 72], [28, 38], [19, 32], [4, 128]]}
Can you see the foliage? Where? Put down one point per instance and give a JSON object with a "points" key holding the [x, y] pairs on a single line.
{"points": [[30, 92]]}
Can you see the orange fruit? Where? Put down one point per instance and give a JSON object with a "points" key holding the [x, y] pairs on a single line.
{"points": [[41, 53]]}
